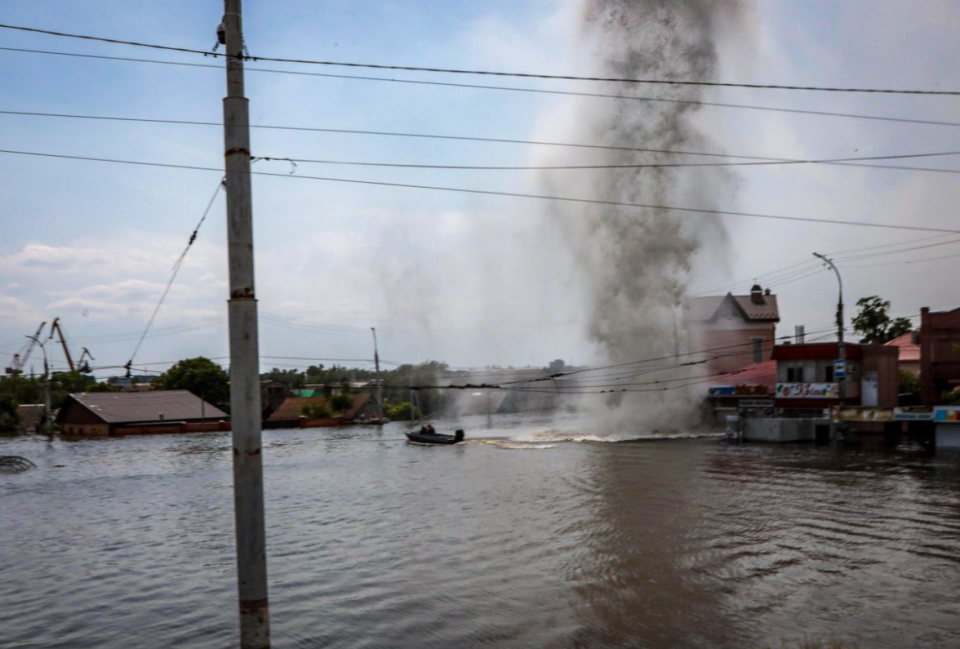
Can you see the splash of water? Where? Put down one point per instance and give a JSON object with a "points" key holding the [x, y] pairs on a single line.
{"points": [[635, 264]]}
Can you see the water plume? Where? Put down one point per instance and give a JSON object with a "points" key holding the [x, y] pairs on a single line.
{"points": [[635, 265]]}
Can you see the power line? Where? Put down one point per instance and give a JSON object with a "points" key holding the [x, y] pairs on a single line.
{"points": [[485, 192], [762, 160], [176, 269], [871, 255], [647, 360], [777, 276], [902, 263], [655, 165], [712, 104], [524, 75]]}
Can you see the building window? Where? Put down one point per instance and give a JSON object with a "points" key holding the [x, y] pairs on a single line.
{"points": [[794, 375], [828, 374], [757, 349]]}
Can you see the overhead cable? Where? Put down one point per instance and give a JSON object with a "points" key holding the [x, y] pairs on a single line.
{"points": [[525, 75], [484, 192], [845, 162], [654, 165], [173, 275], [391, 80]]}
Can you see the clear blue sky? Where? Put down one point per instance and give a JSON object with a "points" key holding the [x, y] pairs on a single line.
{"points": [[454, 277]]}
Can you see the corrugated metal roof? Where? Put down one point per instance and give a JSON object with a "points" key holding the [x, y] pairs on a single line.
{"points": [[129, 407]]}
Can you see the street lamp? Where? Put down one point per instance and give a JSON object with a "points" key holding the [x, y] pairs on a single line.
{"points": [[841, 349], [46, 382]]}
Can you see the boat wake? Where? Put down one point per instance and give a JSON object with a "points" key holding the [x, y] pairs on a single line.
{"points": [[512, 444], [554, 436]]}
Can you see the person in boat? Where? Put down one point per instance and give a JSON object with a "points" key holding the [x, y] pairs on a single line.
{"points": [[423, 430], [430, 430]]}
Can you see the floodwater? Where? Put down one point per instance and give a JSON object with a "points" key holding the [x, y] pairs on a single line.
{"points": [[537, 535]]}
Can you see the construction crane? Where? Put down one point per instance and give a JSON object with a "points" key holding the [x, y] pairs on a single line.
{"points": [[20, 358], [82, 365]]}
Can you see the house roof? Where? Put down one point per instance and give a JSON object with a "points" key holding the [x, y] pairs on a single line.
{"points": [[129, 407], [762, 373], [292, 406], [711, 307], [906, 348]]}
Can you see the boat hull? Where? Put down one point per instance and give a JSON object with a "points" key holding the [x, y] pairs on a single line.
{"points": [[421, 438]]}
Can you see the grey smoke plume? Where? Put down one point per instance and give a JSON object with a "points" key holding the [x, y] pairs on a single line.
{"points": [[635, 264]]}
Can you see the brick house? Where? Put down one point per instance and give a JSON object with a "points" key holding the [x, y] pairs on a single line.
{"points": [[806, 383], [939, 354]]}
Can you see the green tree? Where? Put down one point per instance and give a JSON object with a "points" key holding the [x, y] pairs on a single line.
{"points": [[874, 324], [290, 378], [63, 384], [908, 382], [103, 387], [9, 415], [341, 403], [199, 375], [22, 389], [951, 398]]}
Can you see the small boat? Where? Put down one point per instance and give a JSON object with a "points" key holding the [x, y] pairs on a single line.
{"points": [[435, 438]]}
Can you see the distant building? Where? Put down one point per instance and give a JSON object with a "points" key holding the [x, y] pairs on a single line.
{"points": [[738, 330], [939, 354], [131, 413], [133, 383], [908, 350], [290, 412], [31, 416], [272, 395]]}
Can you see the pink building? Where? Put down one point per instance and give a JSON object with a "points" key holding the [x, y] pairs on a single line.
{"points": [[738, 330]]}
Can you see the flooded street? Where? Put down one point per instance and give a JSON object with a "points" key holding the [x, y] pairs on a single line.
{"points": [[520, 539]]}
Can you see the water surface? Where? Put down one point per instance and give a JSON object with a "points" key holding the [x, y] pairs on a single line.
{"points": [[520, 538]]}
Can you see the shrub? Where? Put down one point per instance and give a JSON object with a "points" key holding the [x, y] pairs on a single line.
{"points": [[320, 410], [401, 411]]}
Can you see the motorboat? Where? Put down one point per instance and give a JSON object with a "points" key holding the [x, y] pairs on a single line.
{"points": [[423, 437]]}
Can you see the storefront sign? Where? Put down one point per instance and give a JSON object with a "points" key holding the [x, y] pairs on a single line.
{"points": [[901, 415], [949, 414], [808, 390], [723, 391]]}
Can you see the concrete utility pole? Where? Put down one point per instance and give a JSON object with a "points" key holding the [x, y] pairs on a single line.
{"points": [[376, 364], [841, 349], [244, 347]]}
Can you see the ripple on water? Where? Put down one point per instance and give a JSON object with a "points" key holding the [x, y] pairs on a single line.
{"points": [[662, 544]]}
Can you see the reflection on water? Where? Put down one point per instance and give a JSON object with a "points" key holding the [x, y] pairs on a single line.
{"points": [[377, 543]]}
